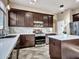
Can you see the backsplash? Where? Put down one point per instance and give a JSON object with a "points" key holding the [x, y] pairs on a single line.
{"points": [[28, 30]]}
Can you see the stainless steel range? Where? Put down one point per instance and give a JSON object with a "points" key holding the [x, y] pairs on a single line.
{"points": [[39, 39]]}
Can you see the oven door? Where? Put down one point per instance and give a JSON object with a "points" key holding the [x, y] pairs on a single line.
{"points": [[39, 40]]}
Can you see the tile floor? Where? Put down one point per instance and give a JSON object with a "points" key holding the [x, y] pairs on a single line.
{"points": [[38, 52]]}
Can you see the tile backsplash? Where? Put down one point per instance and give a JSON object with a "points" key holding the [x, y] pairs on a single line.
{"points": [[29, 29]]}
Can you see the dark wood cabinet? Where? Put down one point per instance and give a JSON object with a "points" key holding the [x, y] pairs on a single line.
{"points": [[12, 19], [21, 18], [50, 21], [16, 18], [45, 20], [35, 16], [27, 41], [55, 49], [76, 17], [40, 17], [28, 19]]}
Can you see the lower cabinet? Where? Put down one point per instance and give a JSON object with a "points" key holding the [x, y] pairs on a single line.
{"points": [[54, 49], [27, 41]]}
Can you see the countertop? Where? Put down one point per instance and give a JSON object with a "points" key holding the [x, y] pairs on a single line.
{"points": [[7, 45], [51, 33], [63, 37], [24, 33], [39, 34]]}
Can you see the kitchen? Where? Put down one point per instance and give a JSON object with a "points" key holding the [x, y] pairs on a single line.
{"points": [[32, 29]]}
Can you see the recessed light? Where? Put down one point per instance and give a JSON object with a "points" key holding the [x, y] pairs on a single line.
{"points": [[31, 3], [34, 0], [8, 7], [77, 0]]}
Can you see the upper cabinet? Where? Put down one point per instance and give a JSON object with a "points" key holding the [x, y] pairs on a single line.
{"points": [[45, 20], [12, 19], [40, 17], [28, 19], [21, 18], [35, 16], [50, 21], [16, 18]]}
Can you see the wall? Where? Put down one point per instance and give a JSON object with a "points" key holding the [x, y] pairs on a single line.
{"points": [[63, 20], [28, 30]]}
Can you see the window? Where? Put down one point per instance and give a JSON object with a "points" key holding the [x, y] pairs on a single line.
{"points": [[1, 18]]}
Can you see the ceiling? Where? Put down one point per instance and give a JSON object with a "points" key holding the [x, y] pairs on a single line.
{"points": [[49, 5]]}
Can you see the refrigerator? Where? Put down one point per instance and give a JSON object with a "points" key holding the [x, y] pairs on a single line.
{"points": [[74, 28]]}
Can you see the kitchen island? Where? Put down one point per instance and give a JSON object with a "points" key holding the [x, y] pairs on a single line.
{"points": [[7, 44], [64, 46]]}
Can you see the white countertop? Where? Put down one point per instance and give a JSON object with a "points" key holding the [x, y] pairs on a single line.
{"points": [[39, 34], [24, 33], [7, 45], [63, 37], [50, 33]]}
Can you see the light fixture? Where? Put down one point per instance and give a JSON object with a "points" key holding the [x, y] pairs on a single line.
{"points": [[8, 4], [62, 7], [8, 7], [33, 1], [77, 0]]}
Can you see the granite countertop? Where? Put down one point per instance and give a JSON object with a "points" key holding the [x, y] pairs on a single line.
{"points": [[7, 45], [64, 37]]}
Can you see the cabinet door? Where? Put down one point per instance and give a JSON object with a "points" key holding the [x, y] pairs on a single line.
{"points": [[20, 18], [22, 40], [40, 17], [29, 19], [35, 17], [55, 48], [30, 40], [50, 19], [45, 20], [27, 40], [12, 19]]}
